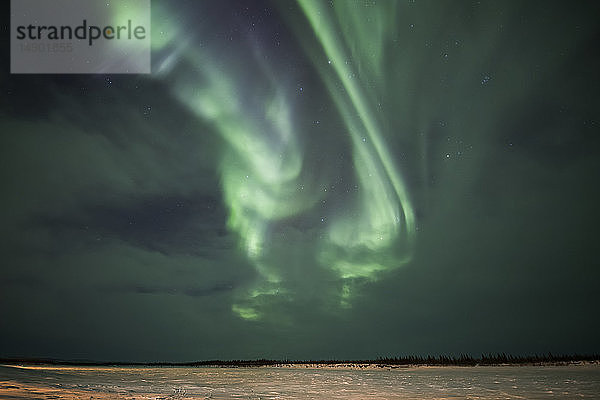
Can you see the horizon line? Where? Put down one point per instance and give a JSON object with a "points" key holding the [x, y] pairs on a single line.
{"points": [[462, 359]]}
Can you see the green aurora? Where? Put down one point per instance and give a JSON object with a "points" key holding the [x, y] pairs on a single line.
{"points": [[263, 176]]}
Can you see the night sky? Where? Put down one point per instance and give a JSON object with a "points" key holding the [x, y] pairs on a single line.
{"points": [[310, 180]]}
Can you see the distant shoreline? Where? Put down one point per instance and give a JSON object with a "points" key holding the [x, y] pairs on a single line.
{"points": [[380, 363]]}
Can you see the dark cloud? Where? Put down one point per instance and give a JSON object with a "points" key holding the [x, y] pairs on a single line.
{"points": [[193, 291]]}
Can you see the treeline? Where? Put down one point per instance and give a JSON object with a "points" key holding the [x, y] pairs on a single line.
{"points": [[440, 360], [488, 359]]}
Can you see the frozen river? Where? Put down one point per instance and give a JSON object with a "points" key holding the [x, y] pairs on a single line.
{"points": [[504, 382]]}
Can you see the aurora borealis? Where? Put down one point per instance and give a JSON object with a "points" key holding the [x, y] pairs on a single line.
{"points": [[265, 183], [310, 179]]}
